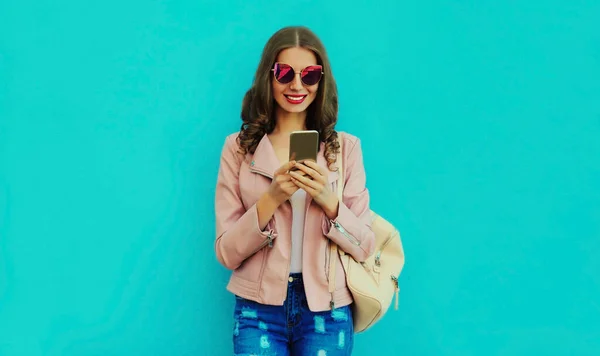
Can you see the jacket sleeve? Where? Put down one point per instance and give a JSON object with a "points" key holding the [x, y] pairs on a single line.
{"points": [[237, 232], [351, 229]]}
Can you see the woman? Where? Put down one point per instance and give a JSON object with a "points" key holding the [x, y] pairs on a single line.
{"points": [[274, 224]]}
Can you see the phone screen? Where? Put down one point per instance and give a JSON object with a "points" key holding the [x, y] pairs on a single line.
{"points": [[304, 145]]}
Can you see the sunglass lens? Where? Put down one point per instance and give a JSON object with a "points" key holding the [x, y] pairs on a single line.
{"points": [[311, 75], [283, 73]]}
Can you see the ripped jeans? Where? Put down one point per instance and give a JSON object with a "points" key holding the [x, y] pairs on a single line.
{"points": [[291, 329]]}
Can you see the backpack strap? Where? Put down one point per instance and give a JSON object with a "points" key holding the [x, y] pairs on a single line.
{"points": [[333, 248]]}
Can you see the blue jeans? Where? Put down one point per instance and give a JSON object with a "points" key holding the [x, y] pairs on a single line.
{"points": [[291, 329]]}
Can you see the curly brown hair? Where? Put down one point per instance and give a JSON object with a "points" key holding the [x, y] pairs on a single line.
{"points": [[258, 106]]}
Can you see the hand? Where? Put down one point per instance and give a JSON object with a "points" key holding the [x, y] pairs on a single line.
{"points": [[313, 179], [282, 187]]}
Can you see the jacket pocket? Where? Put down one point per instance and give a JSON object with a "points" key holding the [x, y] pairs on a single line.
{"points": [[252, 268]]}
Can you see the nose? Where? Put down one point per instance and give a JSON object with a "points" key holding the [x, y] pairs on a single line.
{"points": [[296, 84]]}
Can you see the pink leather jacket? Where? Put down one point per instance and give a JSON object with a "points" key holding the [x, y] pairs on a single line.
{"points": [[260, 260]]}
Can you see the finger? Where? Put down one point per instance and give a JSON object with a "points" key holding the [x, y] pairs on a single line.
{"points": [[285, 167], [288, 184], [310, 190], [286, 178], [310, 172], [300, 172], [306, 181], [314, 166], [283, 178]]}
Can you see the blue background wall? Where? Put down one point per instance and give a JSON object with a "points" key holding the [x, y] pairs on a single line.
{"points": [[480, 123]]}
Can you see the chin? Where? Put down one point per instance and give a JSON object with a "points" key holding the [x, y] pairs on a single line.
{"points": [[295, 109]]}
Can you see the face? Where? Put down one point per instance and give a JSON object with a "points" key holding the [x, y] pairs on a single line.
{"points": [[295, 96]]}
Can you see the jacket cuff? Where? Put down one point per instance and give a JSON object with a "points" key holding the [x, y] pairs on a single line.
{"points": [[346, 230], [257, 237], [269, 229]]}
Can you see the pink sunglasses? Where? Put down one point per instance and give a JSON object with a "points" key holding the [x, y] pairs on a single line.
{"points": [[284, 74]]}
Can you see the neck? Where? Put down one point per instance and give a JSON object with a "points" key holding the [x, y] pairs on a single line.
{"points": [[286, 122]]}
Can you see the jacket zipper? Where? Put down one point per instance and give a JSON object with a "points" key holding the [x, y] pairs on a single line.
{"points": [[343, 231], [327, 252], [268, 241]]}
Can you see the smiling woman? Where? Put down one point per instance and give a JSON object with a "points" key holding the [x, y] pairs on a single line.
{"points": [[275, 219], [293, 92], [285, 74]]}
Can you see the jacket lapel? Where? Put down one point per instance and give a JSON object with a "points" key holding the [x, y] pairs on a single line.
{"points": [[265, 160]]}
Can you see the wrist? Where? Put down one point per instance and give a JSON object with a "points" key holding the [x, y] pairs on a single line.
{"points": [[269, 201], [265, 207], [331, 208]]}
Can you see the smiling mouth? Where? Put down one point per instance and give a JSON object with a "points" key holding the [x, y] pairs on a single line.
{"points": [[295, 99]]}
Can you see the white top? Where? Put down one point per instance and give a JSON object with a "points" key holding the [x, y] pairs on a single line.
{"points": [[298, 201]]}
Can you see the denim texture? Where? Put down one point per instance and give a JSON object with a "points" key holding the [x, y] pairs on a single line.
{"points": [[291, 329]]}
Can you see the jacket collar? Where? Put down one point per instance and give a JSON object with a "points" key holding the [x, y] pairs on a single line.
{"points": [[265, 161]]}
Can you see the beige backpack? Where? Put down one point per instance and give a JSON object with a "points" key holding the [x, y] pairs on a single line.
{"points": [[374, 282]]}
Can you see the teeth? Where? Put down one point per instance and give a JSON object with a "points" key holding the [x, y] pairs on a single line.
{"points": [[295, 97]]}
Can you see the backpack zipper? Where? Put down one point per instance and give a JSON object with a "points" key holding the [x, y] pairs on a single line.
{"points": [[396, 290], [378, 254]]}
